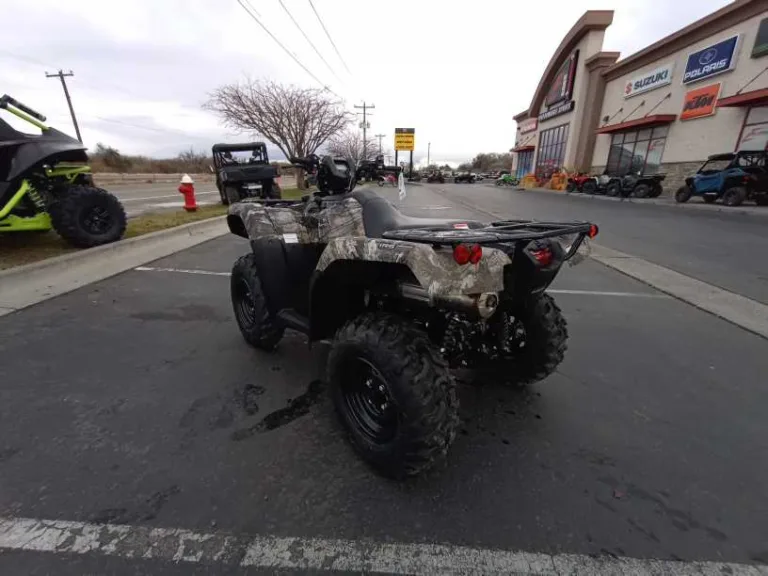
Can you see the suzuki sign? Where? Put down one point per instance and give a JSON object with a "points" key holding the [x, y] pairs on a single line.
{"points": [[657, 78], [714, 59]]}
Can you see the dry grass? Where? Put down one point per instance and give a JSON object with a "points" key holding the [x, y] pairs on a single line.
{"points": [[24, 248]]}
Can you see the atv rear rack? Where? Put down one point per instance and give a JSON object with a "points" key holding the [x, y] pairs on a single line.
{"points": [[500, 231]]}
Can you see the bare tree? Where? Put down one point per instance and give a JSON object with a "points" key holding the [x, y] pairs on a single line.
{"points": [[296, 120], [349, 144]]}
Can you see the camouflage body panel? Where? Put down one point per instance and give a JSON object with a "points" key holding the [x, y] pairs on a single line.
{"points": [[434, 268], [337, 219]]}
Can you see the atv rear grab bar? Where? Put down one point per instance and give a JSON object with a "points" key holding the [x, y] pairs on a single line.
{"points": [[22, 111], [500, 231]]}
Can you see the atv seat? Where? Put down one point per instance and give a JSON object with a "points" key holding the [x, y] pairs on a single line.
{"points": [[380, 216]]}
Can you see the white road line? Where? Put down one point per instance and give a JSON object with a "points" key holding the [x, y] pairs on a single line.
{"points": [[164, 196], [602, 293], [320, 554], [181, 271], [577, 292]]}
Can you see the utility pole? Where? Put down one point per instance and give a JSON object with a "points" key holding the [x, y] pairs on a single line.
{"points": [[365, 107], [429, 145], [380, 136], [60, 75]]}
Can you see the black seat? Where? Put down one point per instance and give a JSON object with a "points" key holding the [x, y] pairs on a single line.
{"points": [[380, 216]]}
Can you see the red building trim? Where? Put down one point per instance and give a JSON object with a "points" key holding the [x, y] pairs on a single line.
{"points": [[654, 120], [753, 98]]}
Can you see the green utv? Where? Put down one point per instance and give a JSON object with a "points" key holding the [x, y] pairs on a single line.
{"points": [[45, 183]]}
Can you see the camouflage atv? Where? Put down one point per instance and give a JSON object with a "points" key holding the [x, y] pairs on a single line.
{"points": [[402, 300]]}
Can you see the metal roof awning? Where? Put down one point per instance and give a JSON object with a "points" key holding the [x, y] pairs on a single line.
{"points": [[645, 122], [523, 148], [753, 98]]}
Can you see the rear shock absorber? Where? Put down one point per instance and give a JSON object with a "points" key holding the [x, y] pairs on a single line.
{"points": [[37, 199]]}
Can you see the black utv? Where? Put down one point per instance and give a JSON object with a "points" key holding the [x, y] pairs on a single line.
{"points": [[243, 171]]}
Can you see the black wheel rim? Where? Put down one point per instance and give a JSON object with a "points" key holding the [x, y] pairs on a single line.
{"points": [[96, 220], [244, 307], [368, 402]]}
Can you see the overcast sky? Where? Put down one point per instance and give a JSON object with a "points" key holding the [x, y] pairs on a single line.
{"points": [[456, 73]]}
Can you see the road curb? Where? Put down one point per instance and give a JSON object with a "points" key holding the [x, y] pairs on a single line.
{"points": [[734, 308], [756, 211], [30, 284]]}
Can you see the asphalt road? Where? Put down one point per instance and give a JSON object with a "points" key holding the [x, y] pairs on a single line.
{"points": [[718, 247], [135, 401]]}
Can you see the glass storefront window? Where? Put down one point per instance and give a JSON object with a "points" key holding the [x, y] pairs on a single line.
{"points": [[524, 163], [551, 150], [637, 151], [754, 136]]}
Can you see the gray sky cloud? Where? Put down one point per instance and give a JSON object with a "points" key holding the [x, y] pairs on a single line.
{"points": [[143, 68]]}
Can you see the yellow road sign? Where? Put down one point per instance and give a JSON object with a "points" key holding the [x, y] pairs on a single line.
{"points": [[405, 139]]}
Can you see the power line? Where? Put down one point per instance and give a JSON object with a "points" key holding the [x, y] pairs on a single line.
{"points": [[329, 37], [283, 47], [309, 41], [380, 136]]}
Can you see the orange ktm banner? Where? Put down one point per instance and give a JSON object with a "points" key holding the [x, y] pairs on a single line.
{"points": [[700, 102]]}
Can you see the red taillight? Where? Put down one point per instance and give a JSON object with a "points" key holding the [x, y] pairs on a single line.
{"points": [[543, 256], [593, 230], [475, 253], [464, 254]]}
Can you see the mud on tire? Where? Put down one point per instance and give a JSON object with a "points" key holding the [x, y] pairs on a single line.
{"points": [[393, 393], [87, 216], [250, 306]]}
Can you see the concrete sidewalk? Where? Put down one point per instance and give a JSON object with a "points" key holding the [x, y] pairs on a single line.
{"points": [[668, 201]]}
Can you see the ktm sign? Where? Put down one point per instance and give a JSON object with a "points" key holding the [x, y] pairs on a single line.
{"points": [[700, 102]]}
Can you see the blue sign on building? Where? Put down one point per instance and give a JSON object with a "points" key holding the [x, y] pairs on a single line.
{"points": [[711, 60]]}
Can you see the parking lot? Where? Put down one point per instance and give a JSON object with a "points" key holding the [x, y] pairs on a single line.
{"points": [[135, 401]]}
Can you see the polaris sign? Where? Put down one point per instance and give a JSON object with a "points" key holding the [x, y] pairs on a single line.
{"points": [[657, 78], [711, 60]]}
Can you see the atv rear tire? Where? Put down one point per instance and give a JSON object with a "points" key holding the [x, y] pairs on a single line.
{"points": [[394, 394], [250, 306], [570, 187], [589, 187], [546, 340], [734, 196], [761, 200], [276, 193], [87, 216], [613, 189], [642, 191], [683, 194], [232, 194]]}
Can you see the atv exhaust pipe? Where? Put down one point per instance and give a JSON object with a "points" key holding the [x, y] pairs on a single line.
{"points": [[480, 305]]}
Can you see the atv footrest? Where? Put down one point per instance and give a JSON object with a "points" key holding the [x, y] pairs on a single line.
{"points": [[293, 320]]}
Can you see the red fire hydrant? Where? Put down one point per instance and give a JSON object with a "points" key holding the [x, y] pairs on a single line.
{"points": [[187, 188]]}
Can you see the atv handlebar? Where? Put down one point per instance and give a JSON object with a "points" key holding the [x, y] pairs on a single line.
{"points": [[7, 100]]}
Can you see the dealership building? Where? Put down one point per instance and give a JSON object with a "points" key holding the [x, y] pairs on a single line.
{"points": [[700, 91]]}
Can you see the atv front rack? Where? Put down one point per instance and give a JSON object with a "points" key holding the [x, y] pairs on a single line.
{"points": [[501, 231]]}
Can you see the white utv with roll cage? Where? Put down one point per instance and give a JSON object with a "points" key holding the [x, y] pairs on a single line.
{"points": [[402, 300]]}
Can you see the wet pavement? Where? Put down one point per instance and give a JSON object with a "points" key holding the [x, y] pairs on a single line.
{"points": [[136, 401]]}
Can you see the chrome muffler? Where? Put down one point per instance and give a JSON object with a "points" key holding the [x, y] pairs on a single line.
{"points": [[482, 305]]}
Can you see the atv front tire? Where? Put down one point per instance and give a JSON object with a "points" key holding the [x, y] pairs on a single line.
{"points": [[613, 189], [250, 306], [683, 194], [394, 394], [86, 216]]}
